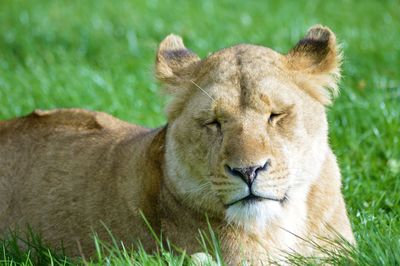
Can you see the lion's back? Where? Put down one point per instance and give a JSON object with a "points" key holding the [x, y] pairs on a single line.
{"points": [[73, 119], [42, 137]]}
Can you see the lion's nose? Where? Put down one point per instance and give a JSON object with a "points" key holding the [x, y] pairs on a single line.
{"points": [[247, 174]]}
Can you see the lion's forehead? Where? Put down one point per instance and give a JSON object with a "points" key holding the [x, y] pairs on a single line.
{"points": [[270, 93], [245, 82], [247, 76]]}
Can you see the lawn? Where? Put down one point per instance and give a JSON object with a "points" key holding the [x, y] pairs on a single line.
{"points": [[99, 55]]}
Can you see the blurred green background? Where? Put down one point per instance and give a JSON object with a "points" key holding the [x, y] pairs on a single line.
{"points": [[99, 55]]}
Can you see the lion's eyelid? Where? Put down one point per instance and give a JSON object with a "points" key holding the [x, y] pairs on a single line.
{"points": [[213, 122]]}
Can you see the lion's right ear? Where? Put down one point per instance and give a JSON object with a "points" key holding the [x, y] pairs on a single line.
{"points": [[174, 62]]}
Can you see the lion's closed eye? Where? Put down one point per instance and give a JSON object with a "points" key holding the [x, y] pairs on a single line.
{"points": [[213, 124], [274, 117]]}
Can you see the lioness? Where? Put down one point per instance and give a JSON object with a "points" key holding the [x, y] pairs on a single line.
{"points": [[246, 143]]}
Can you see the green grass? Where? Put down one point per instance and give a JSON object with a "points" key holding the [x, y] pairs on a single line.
{"points": [[99, 55]]}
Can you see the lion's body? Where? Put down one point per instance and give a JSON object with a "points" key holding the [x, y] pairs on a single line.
{"points": [[246, 143], [93, 156]]}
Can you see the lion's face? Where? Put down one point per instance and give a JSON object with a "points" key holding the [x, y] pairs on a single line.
{"points": [[246, 137]]}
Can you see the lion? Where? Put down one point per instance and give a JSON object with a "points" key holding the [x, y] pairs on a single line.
{"points": [[245, 145]]}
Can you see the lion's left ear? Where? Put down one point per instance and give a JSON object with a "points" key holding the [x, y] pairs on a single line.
{"points": [[315, 62]]}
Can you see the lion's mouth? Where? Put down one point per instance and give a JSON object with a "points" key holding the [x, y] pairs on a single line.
{"points": [[251, 199]]}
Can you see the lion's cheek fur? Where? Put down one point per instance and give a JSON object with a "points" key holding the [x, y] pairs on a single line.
{"points": [[187, 168]]}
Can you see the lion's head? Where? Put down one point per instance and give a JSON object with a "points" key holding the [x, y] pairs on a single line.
{"points": [[247, 129]]}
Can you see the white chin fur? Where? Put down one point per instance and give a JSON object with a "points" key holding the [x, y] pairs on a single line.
{"points": [[253, 216]]}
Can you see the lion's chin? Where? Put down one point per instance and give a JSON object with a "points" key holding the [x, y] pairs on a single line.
{"points": [[253, 216]]}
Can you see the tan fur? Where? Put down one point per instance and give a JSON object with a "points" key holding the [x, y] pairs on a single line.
{"points": [[64, 171]]}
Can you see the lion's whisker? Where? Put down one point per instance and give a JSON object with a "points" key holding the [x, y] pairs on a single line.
{"points": [[206, 93]]}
